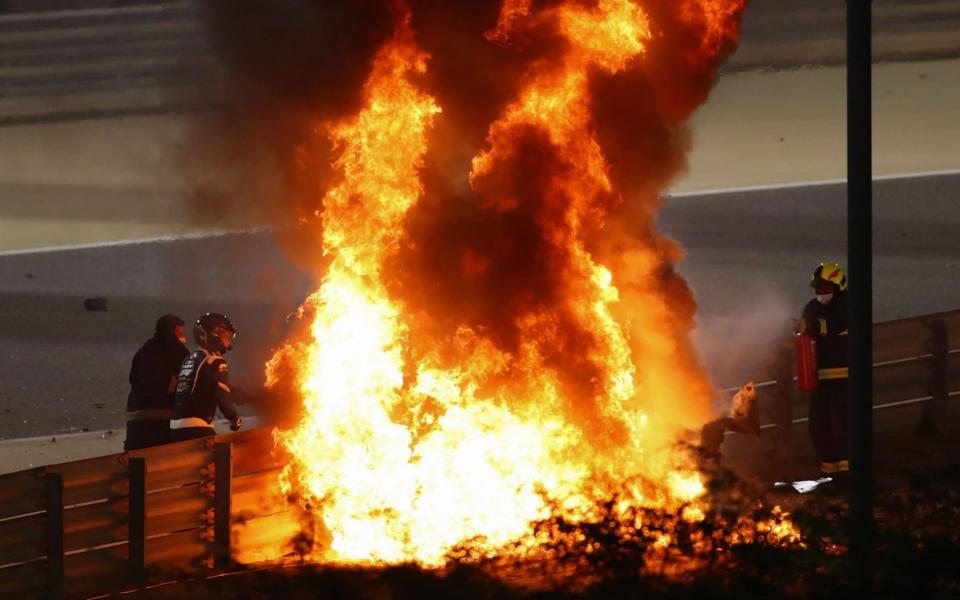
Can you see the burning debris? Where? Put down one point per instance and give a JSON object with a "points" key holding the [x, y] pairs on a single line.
{"points": [[499, 338], [743, 417]]}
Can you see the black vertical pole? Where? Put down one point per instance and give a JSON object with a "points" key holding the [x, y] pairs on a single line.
{"points": [[53, 496], [783, 415], [223, 481], [860, 262], [137, 524]]}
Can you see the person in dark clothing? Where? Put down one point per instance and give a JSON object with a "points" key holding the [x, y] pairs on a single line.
{"points": [[153, 381], [203, 383], [825, 318]]}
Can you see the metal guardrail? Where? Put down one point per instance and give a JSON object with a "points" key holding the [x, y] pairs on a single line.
{"points": [[140, 518], [916, 364]]}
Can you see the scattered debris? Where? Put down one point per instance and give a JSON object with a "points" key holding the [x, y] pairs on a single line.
{"points": [[743, 417], [95, 304], [804, 486]]}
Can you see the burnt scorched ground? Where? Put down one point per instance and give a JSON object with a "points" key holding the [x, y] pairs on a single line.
{"points": [[917, 550]]}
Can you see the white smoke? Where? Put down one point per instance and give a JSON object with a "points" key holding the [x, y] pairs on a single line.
{"points": [[739, 342]]}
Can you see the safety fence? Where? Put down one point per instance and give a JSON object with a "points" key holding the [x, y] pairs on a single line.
{"points": [[916, 372], [141, 518], [106, 524]]}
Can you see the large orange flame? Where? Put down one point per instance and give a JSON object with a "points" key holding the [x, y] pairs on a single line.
{"points": [[409, 449]]}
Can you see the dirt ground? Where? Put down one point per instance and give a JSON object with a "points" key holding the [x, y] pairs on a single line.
{"points": [[911, 552]]}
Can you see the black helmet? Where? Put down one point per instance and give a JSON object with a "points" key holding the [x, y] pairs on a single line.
{"points": [[207, 329]]}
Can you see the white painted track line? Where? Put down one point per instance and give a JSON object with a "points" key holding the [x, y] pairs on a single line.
{"points": [[709, 192], [121, 243], [804, 184]]}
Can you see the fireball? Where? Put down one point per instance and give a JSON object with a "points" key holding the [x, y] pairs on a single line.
{"points": [[454, 407]]}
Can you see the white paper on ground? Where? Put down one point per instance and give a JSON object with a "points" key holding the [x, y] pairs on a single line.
{"points": [[808, 486], [803, 486]]}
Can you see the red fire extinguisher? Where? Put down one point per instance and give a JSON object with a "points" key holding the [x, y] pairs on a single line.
{"points": [[806, 348]]}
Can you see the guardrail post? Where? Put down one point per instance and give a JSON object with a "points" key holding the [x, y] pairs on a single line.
{"points": [[223, 480], [783, 411], [137, 524], [53, 496], [939, 386]]}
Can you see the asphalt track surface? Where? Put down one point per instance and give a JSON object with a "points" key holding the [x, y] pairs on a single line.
{"points": [[65, 368], [740, 243], [749, 253]]}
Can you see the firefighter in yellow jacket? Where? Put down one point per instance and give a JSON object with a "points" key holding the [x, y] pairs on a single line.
{"points": [[825, 318]]}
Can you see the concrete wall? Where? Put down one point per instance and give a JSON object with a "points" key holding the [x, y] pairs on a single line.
{"points": [[26, 6]]}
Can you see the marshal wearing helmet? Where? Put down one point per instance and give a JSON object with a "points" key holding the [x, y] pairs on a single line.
{"points": [[203, 383], [825, 319]]}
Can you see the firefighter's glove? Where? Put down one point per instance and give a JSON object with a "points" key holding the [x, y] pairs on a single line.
{"points": [[235, 426]]}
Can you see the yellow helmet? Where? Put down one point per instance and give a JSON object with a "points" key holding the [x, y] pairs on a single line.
{"points": [[829, 272]]}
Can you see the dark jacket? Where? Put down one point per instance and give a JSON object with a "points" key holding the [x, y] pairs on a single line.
{"points": [[202, 386], [154, 369], [827, 323]]}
